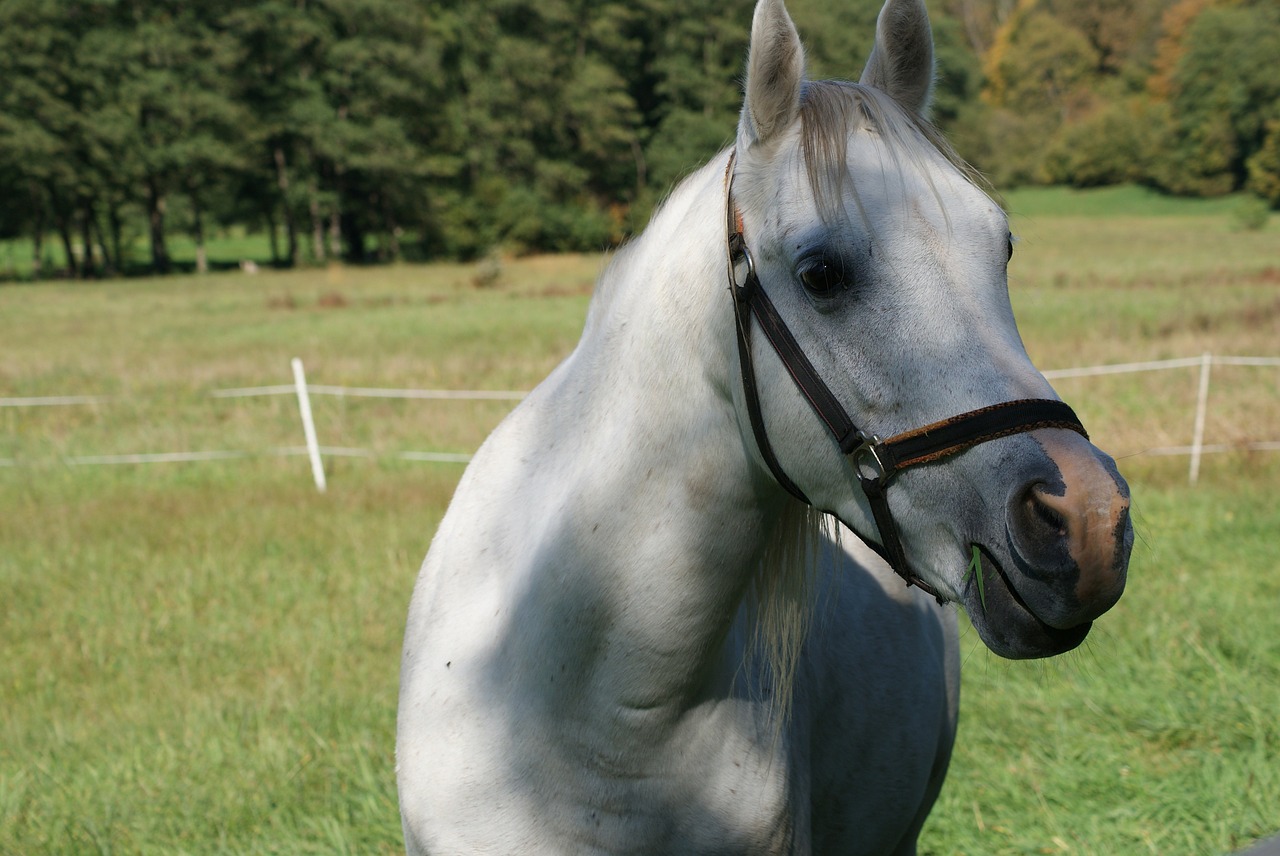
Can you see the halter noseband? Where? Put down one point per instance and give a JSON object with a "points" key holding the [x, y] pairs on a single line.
{"points": [[876, 462]]}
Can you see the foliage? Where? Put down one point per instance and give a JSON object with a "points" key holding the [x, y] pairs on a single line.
{"points": [[1171, 45], [1040, 64], [1252, 214], [1110, 145], [1223, 93], [1264, 166], [1108, 203], [1097, 93], [1118, 31], [379, 129]]}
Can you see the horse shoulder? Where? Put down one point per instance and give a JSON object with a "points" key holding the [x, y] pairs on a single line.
{"points": [[457, 728]]}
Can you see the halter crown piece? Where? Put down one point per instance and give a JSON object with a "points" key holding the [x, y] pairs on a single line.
{"points": [[876, 462]]}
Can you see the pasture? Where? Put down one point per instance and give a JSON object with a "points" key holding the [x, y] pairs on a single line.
{"points": [[203, 658]]}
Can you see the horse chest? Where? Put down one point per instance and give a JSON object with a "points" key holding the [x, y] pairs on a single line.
{"points": [[713, 787], [851, 774], [506, 779]]}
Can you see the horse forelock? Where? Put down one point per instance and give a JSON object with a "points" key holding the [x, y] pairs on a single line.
{"points": [[831, 111]]}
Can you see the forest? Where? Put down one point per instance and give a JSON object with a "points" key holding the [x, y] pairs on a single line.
{"points": [[373, 130]]}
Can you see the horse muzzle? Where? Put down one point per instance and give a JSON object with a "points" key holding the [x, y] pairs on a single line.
{"points": [[1065, 555]]}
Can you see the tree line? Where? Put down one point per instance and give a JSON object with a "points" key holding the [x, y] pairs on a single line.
{"points": [[378, 129]]}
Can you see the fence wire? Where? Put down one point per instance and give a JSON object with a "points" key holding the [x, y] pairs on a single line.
{"points": [[316, 452]]}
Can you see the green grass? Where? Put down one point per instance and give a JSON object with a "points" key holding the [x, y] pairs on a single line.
{"points": [[203, 658], [1120, 201], [1159, 735], [224, 249]]}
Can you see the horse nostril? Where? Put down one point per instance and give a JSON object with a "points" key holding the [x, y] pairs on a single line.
{"points": [[1041, 509], [1069, 534], [1047, 515]]}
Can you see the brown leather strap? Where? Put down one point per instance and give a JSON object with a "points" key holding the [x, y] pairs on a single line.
{"points": [[951, 436]]}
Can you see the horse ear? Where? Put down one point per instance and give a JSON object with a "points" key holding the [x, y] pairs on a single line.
{"points": [[901, 63], [775, 72]]}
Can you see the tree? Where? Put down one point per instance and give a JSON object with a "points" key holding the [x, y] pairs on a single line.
{"points": [[371, 128], [1038, 75], [1043, 66], [1111, 145], [979, 20], [276, 60], [370, 149], [186, 126], [1171, 45], [1264, 166], [1115, 29], [838, 37], [546, 118], [696, 67], [1224, 91], [48, 140]]}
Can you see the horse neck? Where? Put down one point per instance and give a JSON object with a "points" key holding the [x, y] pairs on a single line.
{"points": [[665, 517]]}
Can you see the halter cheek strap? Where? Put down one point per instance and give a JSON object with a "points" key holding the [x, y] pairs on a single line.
{"points": [[875, 461]]}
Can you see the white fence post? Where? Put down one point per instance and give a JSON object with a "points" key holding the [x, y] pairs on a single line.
{"points": [[1202, 409], [308, 424]]}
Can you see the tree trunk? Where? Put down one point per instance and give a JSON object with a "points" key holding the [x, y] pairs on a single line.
{"points": [[117, 231], [37, 242], [335, 233], [375, 210], [393, 228], [335, 215], [62, 222], [88, 268], [160, 261], [202, 257], [68, 246], [37, 256], [275, 238], [642, 166], [974, 29], [110, 262], [291, 227], [317, 223], [355, 239]]}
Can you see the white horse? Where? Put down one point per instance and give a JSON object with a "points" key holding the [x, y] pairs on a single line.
{"points": [[609, 648]]}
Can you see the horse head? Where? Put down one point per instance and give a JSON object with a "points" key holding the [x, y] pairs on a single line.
{"points": [[885, 263]]}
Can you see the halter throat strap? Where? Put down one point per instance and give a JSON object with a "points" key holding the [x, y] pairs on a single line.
{"points": [[876, 462]]}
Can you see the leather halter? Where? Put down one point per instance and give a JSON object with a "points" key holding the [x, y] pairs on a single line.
{"points": [[876, 462]]}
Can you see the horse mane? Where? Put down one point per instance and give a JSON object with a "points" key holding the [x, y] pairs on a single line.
{"points": [[832, 110], [780, 605], [782, 601]]}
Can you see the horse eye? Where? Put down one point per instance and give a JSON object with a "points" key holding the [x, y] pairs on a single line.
{"points": [[822, 278], [1010, 249]]}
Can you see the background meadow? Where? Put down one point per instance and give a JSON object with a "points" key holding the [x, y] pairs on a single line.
{"points": [[202, 658]]}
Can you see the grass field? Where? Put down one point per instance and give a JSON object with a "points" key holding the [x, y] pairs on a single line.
{"points": [[202, 658]]}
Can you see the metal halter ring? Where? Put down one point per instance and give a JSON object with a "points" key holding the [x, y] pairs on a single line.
{"points": [[867, 461], [739, 255]]}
